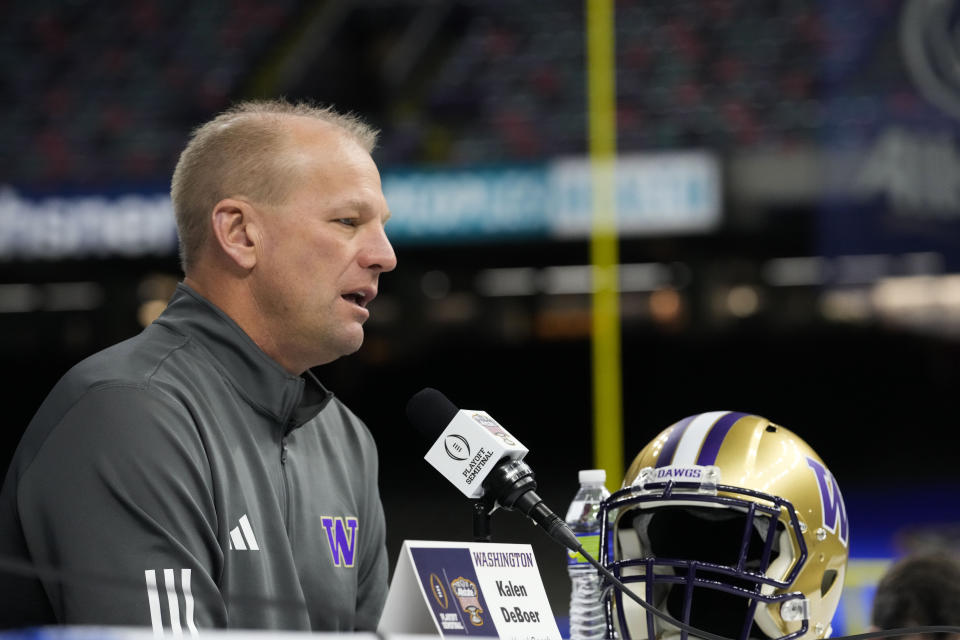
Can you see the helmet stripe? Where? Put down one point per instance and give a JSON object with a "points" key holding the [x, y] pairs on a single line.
{"points": [[711, 445], [670, 447], [692, 440]]}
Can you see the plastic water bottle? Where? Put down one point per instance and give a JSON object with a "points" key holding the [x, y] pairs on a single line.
{"points": [[586, 609]]}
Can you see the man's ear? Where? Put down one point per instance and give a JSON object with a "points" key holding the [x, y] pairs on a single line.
{"points": [[235, 230]]}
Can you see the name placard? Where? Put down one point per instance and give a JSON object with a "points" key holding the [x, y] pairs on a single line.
{"points": [[468, 589]]}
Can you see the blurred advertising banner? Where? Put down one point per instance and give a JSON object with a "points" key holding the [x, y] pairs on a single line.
{"points": [[129, 225], [663, 193], [892, 143], [657, 193]]}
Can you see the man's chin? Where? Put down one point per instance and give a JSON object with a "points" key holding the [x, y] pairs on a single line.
{"points": [[351, 344], [345, 346]]}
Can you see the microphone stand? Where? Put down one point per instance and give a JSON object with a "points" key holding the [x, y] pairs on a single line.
{"points": [[482, 508]]}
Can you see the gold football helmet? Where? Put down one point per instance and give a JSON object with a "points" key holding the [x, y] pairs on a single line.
{"points": [[731, 524]]}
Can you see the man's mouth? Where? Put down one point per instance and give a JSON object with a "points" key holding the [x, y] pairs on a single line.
{"points": [[358, 298]]}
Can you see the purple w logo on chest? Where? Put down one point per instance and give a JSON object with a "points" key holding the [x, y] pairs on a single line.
{"points": [[831, 502], [343, 544]]}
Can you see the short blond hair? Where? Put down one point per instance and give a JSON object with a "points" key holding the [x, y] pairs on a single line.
{"points": [[241, 152]]}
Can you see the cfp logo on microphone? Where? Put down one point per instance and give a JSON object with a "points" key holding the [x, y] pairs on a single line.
{"points": [[457, 447]]}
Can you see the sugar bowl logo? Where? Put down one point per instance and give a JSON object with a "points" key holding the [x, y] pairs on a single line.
{"points": [[469, 596], [494, 428], [439, 593]]}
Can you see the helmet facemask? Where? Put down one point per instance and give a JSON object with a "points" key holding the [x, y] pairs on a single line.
{"points": [[715, 561]]}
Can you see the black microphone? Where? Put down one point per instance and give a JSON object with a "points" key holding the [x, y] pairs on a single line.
{"points": [[482, 459]]}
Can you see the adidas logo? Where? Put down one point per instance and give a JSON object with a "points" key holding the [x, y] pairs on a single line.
{"points": [[242, 538]]}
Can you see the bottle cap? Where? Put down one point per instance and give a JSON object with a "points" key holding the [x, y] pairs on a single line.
{"points": [[592, 476]]}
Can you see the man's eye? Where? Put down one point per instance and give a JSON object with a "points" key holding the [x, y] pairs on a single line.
{"points": [[350, 222]]}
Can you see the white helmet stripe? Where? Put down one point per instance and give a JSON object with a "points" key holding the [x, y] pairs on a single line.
{"points": [[693, 436]]}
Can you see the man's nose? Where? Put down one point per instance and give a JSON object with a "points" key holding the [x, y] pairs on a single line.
{"points": [[379, 252]]}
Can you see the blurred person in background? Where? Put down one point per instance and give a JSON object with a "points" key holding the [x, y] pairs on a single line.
{"points": [[199, 475], [920, 589]]}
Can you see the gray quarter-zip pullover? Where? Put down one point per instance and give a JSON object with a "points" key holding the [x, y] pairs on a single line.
{"points": [[183, 479]]}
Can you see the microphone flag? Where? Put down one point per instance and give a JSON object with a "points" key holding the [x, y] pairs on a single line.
{"points": [[469, 448]]}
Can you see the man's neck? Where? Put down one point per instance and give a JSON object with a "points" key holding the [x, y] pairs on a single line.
{"points": [[234, 299]]}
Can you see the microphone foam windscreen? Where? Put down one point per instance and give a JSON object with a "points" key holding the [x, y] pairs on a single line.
{"points": [[430, 412]]}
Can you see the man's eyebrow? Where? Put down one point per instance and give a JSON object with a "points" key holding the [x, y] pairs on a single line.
{"points": [[354, 204]]}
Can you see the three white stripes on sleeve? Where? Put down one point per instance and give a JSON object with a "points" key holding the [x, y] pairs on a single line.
{"points": [[173, 601], [241, 539]]}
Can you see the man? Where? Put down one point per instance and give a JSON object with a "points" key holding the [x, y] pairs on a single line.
{"points": [[921, 589], [198, 475]]}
